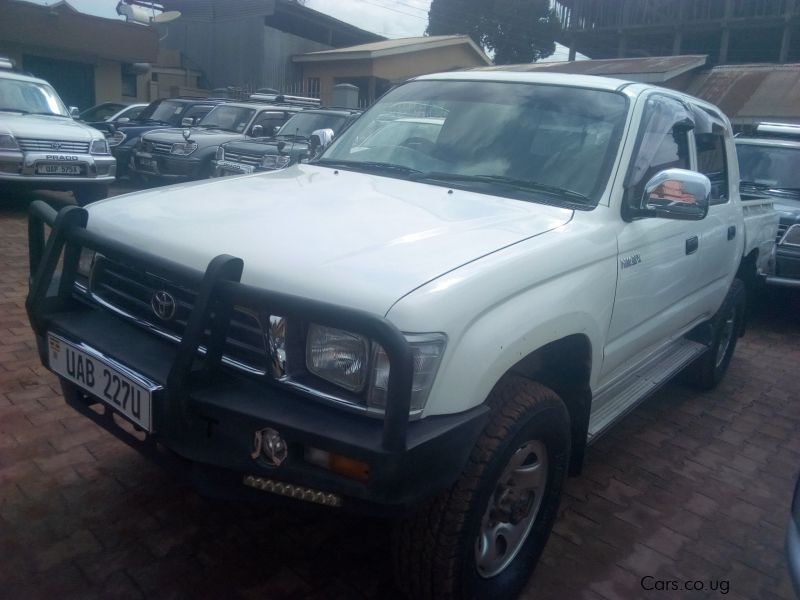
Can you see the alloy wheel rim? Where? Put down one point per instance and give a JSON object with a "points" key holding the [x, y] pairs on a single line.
{"points": [[725, 337], [512, 509]]}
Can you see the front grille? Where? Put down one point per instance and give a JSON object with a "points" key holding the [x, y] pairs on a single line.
{"points": [[253, 160], [32, 145], [782, 227], [160, 147], [131, 292]]}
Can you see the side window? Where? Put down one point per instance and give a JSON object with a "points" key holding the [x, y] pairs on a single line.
{"points": [[712, 160], [663, 143]]}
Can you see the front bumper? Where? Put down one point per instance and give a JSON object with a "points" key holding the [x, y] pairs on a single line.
{"points": [[165, 165], [223, 168], [19, 167], [205, 417]]}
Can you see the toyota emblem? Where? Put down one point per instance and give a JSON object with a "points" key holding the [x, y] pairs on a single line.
{"points": [[55, 146], [163, 305]]}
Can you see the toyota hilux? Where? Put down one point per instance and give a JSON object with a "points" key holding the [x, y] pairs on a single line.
{"points": [[432, 328]]}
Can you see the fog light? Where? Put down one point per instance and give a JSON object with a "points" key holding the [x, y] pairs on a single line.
{"points": [[342, 465], [292, 491]]}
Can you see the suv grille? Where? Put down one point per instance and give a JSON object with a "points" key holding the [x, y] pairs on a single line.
{"points": [[158, 147], [246, 159], [31, 145], [131, 292]]}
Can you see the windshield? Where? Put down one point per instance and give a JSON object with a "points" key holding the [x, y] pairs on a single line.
{"points": [[304, 124], [101, 112], [229, 118], [30, 97], [771, 166], [489, 136], [165, 111]]}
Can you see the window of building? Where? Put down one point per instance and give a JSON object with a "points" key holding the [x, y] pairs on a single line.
{"points": [[129, 87], [313, 87]]}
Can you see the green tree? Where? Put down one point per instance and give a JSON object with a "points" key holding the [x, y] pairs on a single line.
{"points": [[516, 31]]}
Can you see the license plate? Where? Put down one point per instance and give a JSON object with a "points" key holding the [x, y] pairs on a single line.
{"points": [[229, 168], [116, 385], [148, 164], [58, 169]]}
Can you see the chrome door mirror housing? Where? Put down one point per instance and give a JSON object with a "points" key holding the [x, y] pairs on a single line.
{"points": [[257, 131], [187, 122], [74, 112], [676, 194]]}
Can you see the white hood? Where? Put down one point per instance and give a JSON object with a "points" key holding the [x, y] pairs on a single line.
{"points": [[349, 238], [44, 127]]}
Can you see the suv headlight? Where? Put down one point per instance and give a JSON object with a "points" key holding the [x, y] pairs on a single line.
{"points": [[7, 142], [184, 148], [350, 361], [275, 161], [99, 147], [116, 138], [220, 155]]}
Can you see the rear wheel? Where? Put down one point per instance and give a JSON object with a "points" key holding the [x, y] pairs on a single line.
{"points": [[483, 537], [87, 194], [728, 324]]}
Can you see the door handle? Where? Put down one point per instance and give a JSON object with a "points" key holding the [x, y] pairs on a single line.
{"points": [[731, 232], [692, 244]]}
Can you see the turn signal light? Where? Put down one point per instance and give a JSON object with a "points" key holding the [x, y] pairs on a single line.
{"points": [[342, 465]]}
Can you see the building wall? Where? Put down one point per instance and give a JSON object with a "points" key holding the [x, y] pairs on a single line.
{"points": [[394, 68]]}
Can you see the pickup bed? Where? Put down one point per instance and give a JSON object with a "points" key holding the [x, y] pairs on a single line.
{"points": [[433, 327]]}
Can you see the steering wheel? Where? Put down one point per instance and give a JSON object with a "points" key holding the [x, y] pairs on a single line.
{"points": [[419, 144]]}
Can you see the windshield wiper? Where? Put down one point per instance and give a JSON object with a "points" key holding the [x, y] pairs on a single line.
{"points": [[49, 114], [17, 110], [370, 166], [519, 184]]}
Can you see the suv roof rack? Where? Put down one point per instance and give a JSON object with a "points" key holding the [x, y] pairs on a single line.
{"points": [[781, 129], [285, 99]]}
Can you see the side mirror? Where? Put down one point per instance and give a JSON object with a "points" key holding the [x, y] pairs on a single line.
{"points": [[187, 122], [74, 112], [320, 139], [123, 120], [257, 131], [677, 194]]}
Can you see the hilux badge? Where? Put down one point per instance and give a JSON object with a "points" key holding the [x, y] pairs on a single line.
{"points": [[163, 305]]}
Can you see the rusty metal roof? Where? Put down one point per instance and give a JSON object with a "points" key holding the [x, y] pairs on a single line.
{"points": [[752, 93], [657, 69]]}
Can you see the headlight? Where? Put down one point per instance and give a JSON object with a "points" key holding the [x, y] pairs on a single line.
{"points": [[220, 155], [99, 147], [86, 262], [7, 142], [427, 351], [337, 356], [349, 360], [184, 148], [116, 138], [275, 161]]}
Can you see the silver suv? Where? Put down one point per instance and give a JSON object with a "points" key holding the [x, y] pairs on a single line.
{"points": [[43, 147]]}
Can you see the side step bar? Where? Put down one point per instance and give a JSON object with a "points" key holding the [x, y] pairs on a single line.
{"points": [[624, 395]]}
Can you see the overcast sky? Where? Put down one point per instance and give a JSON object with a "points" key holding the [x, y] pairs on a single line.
{"points": [[391, 18]]}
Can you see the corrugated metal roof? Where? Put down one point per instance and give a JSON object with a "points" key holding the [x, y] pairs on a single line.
{"points": [[752, 93], [656, 69]]}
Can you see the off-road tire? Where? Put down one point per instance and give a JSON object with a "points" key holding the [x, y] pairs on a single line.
{"points": [[86, 194], [706, 372], [434, 549]]}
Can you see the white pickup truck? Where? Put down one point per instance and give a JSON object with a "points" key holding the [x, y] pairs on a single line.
{"points": [[436, 327]]}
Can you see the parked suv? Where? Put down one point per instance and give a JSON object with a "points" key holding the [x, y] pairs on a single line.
{"points": [[769, 164], [189, 153], [432, 327], [160, 114], [42, 146], [290, 144]]}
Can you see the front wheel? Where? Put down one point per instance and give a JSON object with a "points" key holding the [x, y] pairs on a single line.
{"points": [[483, 537], [726, 327], [87, 194]]}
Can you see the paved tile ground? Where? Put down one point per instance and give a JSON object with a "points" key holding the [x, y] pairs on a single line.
{"points": [[689, 487]]}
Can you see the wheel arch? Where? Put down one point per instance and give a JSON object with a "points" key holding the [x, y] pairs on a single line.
{"points": [[565, 366]]}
